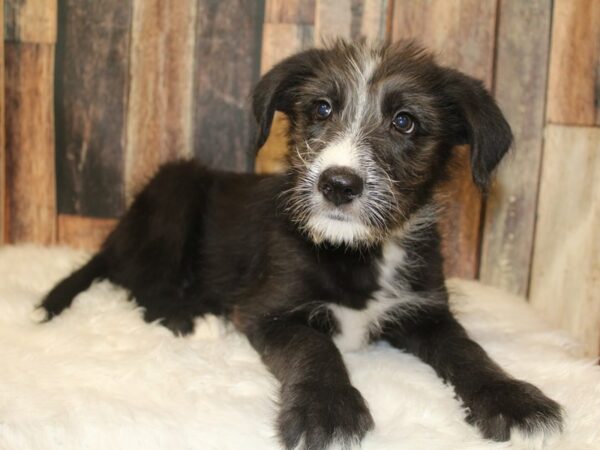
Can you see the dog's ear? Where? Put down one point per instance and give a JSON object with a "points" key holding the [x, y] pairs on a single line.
{"points": [[480, 124], [276, 89]]}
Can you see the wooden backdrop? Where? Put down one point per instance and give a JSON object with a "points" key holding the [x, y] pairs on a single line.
{"points": [[98, 93]]}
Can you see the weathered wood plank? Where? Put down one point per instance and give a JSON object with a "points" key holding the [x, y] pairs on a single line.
{"points": [[2, 134], [281, 40], [227, 56], [574, 79], [91, 95], [30, 21], [159, 117], [290, 11], [566, 268], [352, 19], [520, 88], [462, 34], [86, 233], [30, 174]]}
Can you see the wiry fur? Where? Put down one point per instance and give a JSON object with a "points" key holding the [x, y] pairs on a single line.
{"points": [[297, 272]]}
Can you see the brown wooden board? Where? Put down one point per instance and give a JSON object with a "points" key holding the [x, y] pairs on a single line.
{"points": [[86, 233], [566, 268], [290, 11], [350, 19], [281, 40], [159, 117], [30, 179], [574, 79], [91, 92], [30, 21], [462, 34], [2, 131], [227, 64], [520, 88]]}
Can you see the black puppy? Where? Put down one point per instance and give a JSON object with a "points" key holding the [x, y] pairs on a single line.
{"points": [[340, 251]]}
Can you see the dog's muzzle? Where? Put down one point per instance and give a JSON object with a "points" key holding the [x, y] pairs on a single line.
{"points": [[340, 185]]}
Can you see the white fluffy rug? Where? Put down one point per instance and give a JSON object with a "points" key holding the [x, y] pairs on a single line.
{"points": [[98, 377]]}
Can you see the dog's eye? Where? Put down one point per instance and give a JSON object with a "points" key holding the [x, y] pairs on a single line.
{"points": [[403, 123], [323, 110]]}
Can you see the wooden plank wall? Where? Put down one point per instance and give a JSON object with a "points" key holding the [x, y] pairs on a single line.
{"points": [[523, 41], [2, 140], [565, 275], [91, 109], [154, 81], [159, 105], [565, 282], [226, 70], [99, 94], [30, 36]]}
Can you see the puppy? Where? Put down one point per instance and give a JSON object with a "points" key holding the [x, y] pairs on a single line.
{"points": [[340, 251]]}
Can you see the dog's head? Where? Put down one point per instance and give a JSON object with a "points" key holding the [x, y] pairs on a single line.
{"points": [[371, 135]]}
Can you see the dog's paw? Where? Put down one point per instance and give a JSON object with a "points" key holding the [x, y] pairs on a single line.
{"points": [[499, 407], [315, 416]]}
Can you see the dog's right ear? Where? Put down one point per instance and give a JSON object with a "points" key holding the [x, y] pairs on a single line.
{"points": [[276, 89]]}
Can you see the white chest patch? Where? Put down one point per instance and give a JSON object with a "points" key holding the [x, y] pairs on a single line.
{"points": [[356, 325]]}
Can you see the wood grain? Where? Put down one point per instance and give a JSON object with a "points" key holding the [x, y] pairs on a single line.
{"points": [[281, 40], [351, 19], [30, 174], [86, 233], [290, 11], [91, 98], [566, 268], [227, 56], [159, 117], [2, 134], [574, 79], [30, 21], [462, 34], [520, 82]]}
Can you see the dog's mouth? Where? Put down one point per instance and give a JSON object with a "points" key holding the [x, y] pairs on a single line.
{"points": [[338, 215]]}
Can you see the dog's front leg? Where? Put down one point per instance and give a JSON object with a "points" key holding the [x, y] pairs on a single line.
{"points": [[319, 406], [495, 402]]}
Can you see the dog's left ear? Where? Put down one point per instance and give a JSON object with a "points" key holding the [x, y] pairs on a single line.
{"points": [[481, 124]]}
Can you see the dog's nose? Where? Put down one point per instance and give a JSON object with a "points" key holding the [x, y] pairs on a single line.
{"points": [[340, 185]]}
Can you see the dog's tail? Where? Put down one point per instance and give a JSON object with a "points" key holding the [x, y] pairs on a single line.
{"points": [[62, 295]]}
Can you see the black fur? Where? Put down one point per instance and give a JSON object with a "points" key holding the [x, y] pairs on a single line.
{"points": [[196, 241]]}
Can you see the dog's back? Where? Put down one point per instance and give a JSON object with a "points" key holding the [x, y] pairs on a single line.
{"points": [[158, 250]]}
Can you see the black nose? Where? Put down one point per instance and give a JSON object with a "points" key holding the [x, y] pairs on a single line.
{"points": [[340, 185]]}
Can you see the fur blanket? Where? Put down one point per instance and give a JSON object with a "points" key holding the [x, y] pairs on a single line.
{"points": [[98, 377]]}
